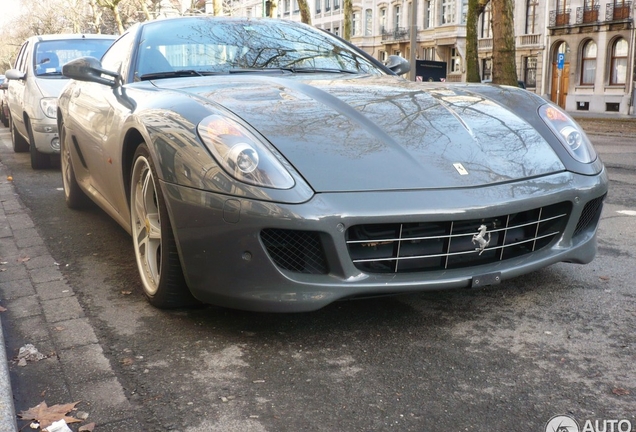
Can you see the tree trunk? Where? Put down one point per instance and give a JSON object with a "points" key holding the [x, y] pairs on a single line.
{"points": [[305, 13], [273, 5], [144, 10], [348, 16], [475, 8], [504, 69], [217, 7]]}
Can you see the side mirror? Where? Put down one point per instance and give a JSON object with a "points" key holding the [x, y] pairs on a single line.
{"points": [[398, 64], [14, 74], [89, 69]]}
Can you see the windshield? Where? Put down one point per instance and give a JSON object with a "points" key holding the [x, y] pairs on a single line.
{"points": [[51, 55], [208, 46]]}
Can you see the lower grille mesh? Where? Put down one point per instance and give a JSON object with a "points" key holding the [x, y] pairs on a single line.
{"points": [[590, 214], [428, 246], [297, 251]]}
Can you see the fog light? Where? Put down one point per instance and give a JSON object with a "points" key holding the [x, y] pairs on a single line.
{"points": [[55, 144]]}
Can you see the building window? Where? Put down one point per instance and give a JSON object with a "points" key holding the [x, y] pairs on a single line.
{"points": [[429, 53], [456, 61], [485, 23], [336, 4], [588, 62], [383, 19], [448, 12], [336, 31], [532, 8], [396, 17], [296, 8], [382, 56], [486, 69], [464, 11], [318, 5], [530, 71], [618, 73], [327, 5], [368, 22], [355, 24], [427, 14]]}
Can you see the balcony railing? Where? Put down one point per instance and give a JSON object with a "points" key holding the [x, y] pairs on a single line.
{"points": [[484, 44], [529, 40], [618, 11], [395, 34], [587, 16], [559, 18]]}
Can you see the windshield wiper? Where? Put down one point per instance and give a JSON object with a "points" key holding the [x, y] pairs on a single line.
{"points": [[176, 74], [292, 70]]}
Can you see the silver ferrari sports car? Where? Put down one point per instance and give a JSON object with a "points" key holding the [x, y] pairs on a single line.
{"points": [[266, 165]]}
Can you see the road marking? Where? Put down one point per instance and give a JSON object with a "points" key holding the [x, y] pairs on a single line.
{"points": [[627, 212]]}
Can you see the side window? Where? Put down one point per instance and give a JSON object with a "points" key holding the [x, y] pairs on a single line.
{"points": [[118, 55], [20, 62]]}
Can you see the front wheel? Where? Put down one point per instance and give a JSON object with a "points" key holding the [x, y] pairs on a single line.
{"points": [[155, 247], [39, 160], [74, 196], [20, 145]]}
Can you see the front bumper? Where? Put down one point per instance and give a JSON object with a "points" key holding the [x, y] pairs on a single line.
{"points": [[45, 135], [225, 261]]}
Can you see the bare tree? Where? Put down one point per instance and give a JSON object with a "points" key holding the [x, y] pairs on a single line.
{"points": [[475, 8], [113, 6], [504, 69], [273, 5], [348, 16], [305, 13]]}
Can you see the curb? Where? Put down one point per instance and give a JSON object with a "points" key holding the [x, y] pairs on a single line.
{"points": [[8, 420]]}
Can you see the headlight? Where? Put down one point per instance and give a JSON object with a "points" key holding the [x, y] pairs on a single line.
{"points": [[568, 132], [49, 107], [242, 154]]}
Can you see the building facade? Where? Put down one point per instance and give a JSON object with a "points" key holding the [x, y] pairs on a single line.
{"points": [[594, 39]]}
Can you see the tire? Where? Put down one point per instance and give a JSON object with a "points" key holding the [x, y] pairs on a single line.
{"points": [[20, 145], [3, 117], [38, 160], [73, 194], [155, 246]]}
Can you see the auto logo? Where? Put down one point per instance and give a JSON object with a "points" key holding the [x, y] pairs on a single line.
{"points": [[480, 238], [460, 168]]}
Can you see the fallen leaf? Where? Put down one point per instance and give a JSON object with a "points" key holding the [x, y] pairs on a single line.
{"points": [[127, 361], [620, 391], [3, 309], [126, 292], [9, 178], [46, 415], [23, 259], [87, 428], [604, 278]]}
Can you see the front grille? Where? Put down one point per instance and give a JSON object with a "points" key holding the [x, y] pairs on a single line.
{"points": [[429, 246], [590, 215], [297, 251]]}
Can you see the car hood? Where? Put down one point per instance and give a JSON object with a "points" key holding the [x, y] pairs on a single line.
{"points": [[383, 133], [51, 87]]}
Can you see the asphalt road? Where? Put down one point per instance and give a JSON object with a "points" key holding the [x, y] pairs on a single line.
{"points": [[509, 357]]}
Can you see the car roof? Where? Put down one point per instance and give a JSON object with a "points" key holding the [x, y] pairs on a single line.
{"points": [[66, 36]]}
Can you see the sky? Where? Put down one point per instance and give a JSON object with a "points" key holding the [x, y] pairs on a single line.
{"points": [[9, 9]]}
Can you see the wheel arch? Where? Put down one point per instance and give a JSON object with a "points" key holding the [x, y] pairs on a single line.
{"points": [[132, 140]]}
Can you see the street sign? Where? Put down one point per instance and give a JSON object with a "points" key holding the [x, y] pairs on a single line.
{"points": [[560, 60]]}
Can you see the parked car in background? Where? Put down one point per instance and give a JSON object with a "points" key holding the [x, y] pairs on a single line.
{"points": [[34, 85], [267, 165], [4, 108]]}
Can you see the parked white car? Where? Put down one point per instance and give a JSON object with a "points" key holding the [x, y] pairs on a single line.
{"points": [[34, 86]]}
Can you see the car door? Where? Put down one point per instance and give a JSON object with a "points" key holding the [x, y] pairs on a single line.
{"points": [[98, 113], [17, 88]]}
